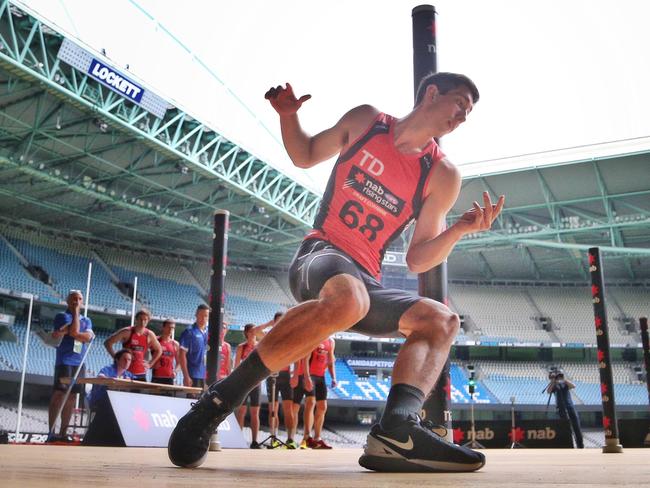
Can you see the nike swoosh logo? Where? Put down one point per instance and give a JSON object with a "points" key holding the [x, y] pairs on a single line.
{"points": [[408, 445]]}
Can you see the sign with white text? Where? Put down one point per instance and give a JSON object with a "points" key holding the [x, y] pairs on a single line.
{"points": [[148, 420]]}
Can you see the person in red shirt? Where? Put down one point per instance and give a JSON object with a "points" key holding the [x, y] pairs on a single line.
{"points": [[282, 388], [321, 359], [138, 339], [243, 351], [225, 355], [163, 371], [390, 174]]}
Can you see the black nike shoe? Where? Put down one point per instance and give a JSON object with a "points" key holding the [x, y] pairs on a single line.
{"points": [[188, 445], [416, 445]]}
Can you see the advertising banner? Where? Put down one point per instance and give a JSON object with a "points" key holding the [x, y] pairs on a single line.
{"points": [[148, 420], [498, 434]]}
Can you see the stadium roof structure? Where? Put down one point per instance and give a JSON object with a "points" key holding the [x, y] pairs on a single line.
{"points": [[78, 158]]}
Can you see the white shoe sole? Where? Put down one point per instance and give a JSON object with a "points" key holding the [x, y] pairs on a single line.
{"points": [[378, 456]]}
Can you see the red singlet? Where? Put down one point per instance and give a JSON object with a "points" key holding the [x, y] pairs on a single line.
{"points": [[246, 350], [223, 360], [300, 368], [373, 193], [138, 344], [320, 358], [165, 365]]}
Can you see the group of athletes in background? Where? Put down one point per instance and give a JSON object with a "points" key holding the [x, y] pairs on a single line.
{"points": [[189, 355]]}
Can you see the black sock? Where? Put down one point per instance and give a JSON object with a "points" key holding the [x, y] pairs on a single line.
{"points": [[403, 401], [233, 389]]}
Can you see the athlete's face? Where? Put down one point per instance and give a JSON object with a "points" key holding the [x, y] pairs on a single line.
{"points": [[125, 361], [142, 319], [169, 328], [202, 317], [250, 335], [451, 109], [75, 300]]}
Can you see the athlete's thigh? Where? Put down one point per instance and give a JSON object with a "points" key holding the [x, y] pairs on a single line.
{"points": [[254, 396], [314, 263], [387, 305], [320, 388], [298, 393], [284, 387]]}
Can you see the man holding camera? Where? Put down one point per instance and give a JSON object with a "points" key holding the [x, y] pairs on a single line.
{"points": [[565, 408]]}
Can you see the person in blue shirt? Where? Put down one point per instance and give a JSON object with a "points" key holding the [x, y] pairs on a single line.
{"points": [[193, 348], [119, 369], [565, 407], [75, 332]]}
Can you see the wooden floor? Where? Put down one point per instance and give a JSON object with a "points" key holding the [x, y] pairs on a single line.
{"points": [[57, 466]]}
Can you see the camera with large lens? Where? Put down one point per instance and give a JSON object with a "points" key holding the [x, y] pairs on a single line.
{"points": [[555, 374]]}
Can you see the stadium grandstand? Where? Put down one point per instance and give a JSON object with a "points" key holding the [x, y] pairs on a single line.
{"points": [[88, 176]]}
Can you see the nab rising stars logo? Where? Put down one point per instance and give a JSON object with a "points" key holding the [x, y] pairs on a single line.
{"points": [[374, 191]]}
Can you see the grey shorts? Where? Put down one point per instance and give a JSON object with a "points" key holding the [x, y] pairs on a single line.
{"points": [[316, 261]]}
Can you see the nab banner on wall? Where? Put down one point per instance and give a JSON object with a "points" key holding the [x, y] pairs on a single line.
{"points": [[498, 434], [148, 420]]}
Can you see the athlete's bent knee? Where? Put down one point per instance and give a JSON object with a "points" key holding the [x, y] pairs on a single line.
{"points": [[344, 301], [432, 319]]}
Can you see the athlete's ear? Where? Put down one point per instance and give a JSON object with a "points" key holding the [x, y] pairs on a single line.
{"points": [[432, 92]]}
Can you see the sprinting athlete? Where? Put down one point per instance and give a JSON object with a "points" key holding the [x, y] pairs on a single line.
{"points": [[390, 172]]}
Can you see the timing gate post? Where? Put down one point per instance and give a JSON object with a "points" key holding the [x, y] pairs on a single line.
{"points": [[217, 292], [643, 322], [610, 424], [433, 283]]}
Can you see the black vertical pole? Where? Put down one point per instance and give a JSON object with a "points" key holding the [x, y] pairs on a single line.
{"points": [[433, 283], [643, 322], [604, 359], [217, 292]]}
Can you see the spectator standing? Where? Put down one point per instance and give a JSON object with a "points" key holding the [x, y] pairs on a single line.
{"points": [[75, 332], [193, 348], [225, 355], [243, 351], [321, 359], [163, 371], [138, 339]]}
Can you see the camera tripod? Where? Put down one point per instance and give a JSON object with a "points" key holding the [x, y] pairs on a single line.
{"points": [[272, 441], [473, 443], [513, 427]]}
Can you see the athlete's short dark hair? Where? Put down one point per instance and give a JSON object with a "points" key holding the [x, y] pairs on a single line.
{"points": [[121, 353], [203, 306], [248, 327], [143, 311], [446, 82]]}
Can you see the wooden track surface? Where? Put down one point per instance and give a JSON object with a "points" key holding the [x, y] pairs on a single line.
{"points": [[59, 466], [127, 385]]}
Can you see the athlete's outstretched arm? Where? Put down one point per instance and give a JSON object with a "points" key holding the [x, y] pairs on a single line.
{"points": [[431, 243], [304, 150]]}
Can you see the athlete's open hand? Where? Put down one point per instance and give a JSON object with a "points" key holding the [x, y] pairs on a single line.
{"points": [[284, 101], [478, 219]]}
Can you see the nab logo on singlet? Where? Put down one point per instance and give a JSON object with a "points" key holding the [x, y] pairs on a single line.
{"points": [[372, 164], [374, 191]]}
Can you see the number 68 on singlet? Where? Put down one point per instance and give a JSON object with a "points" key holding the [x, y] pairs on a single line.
{"points": [[352, 215]]}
